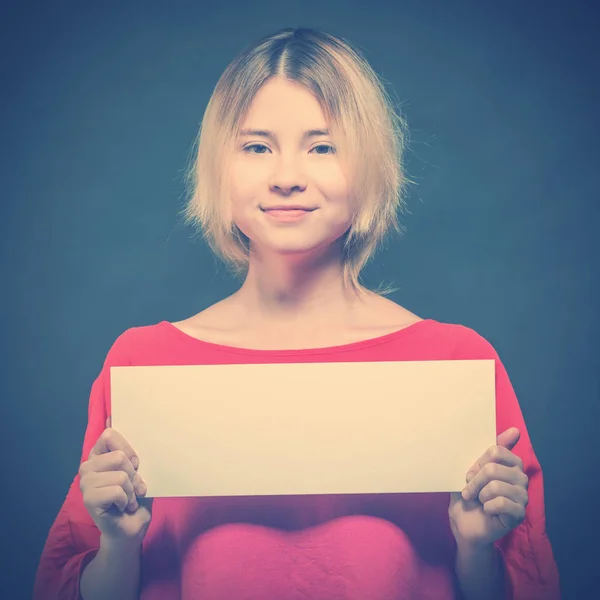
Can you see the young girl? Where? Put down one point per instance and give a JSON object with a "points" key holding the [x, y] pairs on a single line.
{"points": [[297, 179]]}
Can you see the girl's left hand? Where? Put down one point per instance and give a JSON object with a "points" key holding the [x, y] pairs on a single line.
{"points": [[494, 500]]}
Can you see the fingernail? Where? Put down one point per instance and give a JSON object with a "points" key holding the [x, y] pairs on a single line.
{"points": [[141, 489], [465, 494], [135, 462]]}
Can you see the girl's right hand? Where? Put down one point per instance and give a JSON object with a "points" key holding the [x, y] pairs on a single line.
{"points": [[109, 483]]}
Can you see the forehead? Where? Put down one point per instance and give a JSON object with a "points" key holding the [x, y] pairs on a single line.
{"points": [[282, 103]]}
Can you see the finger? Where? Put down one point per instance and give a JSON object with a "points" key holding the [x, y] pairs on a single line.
{"points": [[492, 472], [498, 489], [118, 461], [509, 438], [495, 454], [111, 440], [104, 498], [508, 512], [96, 481]]}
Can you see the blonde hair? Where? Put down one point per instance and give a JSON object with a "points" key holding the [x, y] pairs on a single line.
{"points": [[369, 136]]}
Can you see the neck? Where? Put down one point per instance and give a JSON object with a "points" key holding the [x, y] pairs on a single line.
{"points": [[286, 289]]}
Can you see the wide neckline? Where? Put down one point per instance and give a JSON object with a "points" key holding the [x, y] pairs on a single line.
{"points": [[382, 339]]}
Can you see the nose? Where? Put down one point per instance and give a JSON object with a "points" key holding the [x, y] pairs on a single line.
{"points": [[287, 176]]}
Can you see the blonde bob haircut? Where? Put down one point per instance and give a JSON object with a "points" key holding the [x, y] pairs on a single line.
{"points": [[369, 136]]}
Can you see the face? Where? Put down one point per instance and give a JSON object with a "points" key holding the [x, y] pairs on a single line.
{"points": [[289, 193]]}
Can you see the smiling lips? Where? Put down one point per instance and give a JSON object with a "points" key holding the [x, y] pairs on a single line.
{"points": [[288, 207], [287, 214]]}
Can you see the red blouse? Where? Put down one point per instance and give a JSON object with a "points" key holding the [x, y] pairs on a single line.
{"points": [[330, 547]]}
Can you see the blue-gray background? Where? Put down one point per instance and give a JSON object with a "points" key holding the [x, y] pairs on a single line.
{"points": [[100, 106]]}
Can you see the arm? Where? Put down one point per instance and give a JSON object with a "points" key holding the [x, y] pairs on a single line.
{"points": [[531, 570], [74, 540], [113, 573], [480, 573], [525, 553]]}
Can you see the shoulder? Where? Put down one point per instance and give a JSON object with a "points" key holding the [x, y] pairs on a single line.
{"points": [[136, 341], [452, 339], [465, 342]]}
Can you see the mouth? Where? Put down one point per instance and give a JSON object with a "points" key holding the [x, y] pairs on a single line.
{"points": [[287, 208], [288, 214]]}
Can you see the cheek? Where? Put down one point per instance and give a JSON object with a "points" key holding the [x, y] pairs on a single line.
{"points": [[333, 182], [246, 182]]}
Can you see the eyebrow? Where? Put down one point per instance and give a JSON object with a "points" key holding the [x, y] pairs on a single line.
{"points": [[309, 133]]}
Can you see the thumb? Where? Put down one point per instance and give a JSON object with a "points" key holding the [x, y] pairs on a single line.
{"points": [[108, 422], [509, 438]]}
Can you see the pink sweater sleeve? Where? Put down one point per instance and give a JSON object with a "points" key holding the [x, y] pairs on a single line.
{"points": [[74, 538], [531, 570]]}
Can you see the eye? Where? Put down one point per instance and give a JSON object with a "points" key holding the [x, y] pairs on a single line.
{"points": [[327, 147], [247, 148]]}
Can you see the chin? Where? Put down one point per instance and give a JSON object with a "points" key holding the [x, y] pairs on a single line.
{"points": [[290, 249], [298, 248], [288, 242]]}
